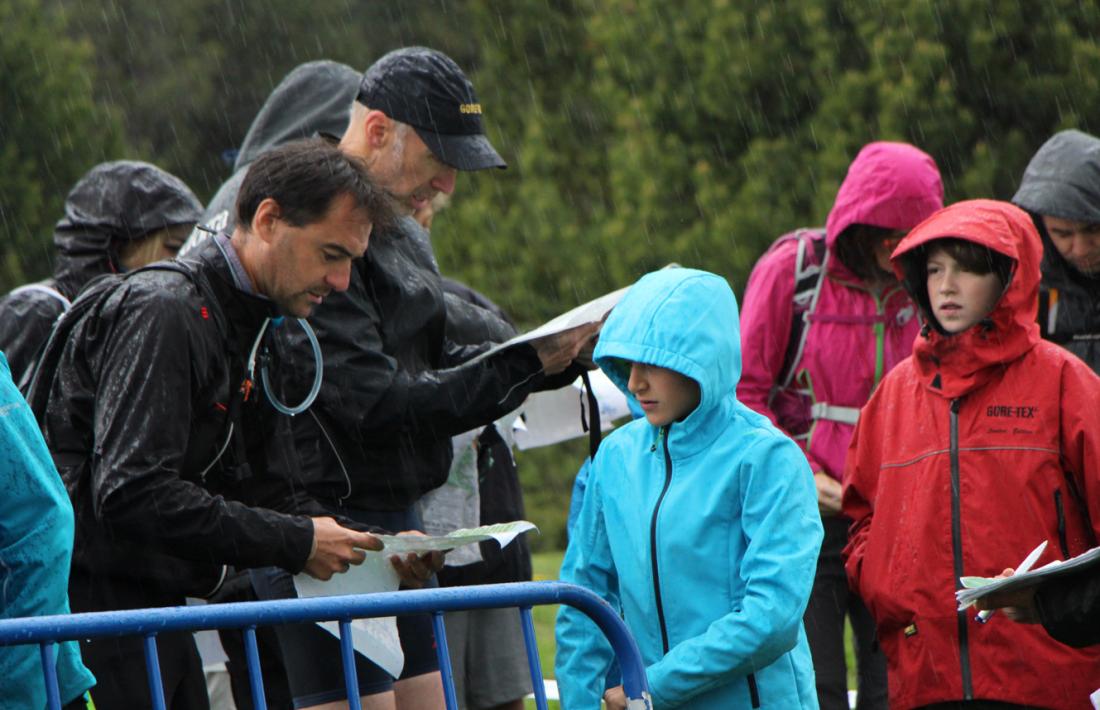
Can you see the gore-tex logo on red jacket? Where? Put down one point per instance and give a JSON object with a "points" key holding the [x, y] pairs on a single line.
{"points": [[1013, 412]]}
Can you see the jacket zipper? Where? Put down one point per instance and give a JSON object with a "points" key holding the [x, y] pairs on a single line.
{"points": [[653, 542], [956, 542], [1061, 511], [754, 692]]}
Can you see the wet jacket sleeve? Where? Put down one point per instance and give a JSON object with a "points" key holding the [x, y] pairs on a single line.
{"points": [[378, 398], [1070, 608], [766, 313], [861, 469], [779, 518], [1080, 392], [148, 370], [25, 323], [583, 655]]}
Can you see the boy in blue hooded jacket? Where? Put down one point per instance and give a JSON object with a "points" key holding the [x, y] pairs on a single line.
{"points": [[700, 521]]}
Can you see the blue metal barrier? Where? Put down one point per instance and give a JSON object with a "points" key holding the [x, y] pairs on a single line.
{"points": [[46, 631]]}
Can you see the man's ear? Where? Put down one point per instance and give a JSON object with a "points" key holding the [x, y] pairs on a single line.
{"points": [[265, 220], [377, 129]]}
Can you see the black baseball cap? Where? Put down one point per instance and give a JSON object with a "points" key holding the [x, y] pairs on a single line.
{"points": [[427, 90]]}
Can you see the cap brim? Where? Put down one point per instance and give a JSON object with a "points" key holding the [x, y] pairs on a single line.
{"points": [[469, 152]]}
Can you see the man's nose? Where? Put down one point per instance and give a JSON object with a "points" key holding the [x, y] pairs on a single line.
{"points": [[445, 181], [339, 278]]}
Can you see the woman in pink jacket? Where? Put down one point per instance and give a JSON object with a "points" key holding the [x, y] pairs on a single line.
{"points": [[823, 320]]}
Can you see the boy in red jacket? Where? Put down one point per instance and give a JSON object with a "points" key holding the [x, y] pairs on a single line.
{"points": [[982, 444]]}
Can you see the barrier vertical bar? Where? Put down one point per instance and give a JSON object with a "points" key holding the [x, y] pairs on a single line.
{"points": [[255, 673], [152, 670], [347, 655], [49, 673], [443, 653], [533, 662]]}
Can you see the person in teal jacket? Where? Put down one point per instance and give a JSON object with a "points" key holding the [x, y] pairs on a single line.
{"points": [[700, 521], [36, 545]]}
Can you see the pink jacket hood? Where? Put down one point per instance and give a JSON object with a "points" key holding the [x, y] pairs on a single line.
{"points": [[890, 185]]}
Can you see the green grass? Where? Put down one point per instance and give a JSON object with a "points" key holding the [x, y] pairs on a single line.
{"points": [[546, 566]]}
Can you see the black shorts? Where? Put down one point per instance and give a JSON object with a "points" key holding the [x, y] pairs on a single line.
{"points": [[312, 655]]}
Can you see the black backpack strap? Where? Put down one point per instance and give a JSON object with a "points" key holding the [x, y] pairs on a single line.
{"points": [[593, 426], [38, 390]]}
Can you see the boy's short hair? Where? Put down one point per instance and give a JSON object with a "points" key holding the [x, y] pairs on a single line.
{"points": [[304, 177], [973, 257]]}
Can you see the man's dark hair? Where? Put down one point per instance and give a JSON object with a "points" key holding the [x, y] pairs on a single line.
{"points": [[304, 177]]}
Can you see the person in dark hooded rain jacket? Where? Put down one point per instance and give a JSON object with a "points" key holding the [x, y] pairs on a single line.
{"points": [[396, 388], [982, 444], [1061, 191], [119, 216], [161, 431], [314, 98]]}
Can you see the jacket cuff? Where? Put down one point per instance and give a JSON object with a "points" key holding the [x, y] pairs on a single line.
{"points": [[299, 537]]}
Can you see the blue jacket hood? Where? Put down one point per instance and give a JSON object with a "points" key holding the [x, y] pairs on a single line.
{"points": [[681, 319]]}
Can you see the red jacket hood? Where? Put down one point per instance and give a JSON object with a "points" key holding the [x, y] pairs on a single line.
{"points": [[890, 185], [954, 365]]}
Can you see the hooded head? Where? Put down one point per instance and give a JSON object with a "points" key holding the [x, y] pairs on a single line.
{"points": [[1063, 178], [113, 205], [315, 97], [954, 364], [682, 320], [889, 186], [1062, 182]]}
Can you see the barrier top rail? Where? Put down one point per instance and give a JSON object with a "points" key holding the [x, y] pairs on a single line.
{"points": [[145, 622]]}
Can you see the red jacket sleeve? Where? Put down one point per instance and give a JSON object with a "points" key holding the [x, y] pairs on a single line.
{"points": [[1080, 418], [766, 312], [861, 467]]}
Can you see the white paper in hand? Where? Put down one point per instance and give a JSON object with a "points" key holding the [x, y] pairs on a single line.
{"points": [[374, 638], [503, 533]]}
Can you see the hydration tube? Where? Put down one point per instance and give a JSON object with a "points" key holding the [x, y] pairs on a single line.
{"points": [[318, 371]]}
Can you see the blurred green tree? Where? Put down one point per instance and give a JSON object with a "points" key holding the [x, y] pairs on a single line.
{"points": [[642, 132], [51, 132], [193, 74]]}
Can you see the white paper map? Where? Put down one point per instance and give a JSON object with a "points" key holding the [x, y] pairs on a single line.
{"points": [[591, 312], [377, 638], [978, 587], [503, 533], [374, 638]]}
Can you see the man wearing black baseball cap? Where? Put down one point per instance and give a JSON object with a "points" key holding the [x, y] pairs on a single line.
{"points": [[427, 90], [396, 387], [416, 120]]}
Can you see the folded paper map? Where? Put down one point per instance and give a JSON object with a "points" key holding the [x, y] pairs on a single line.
{"points": [[585, 314], [974, 588], [377, 638]]}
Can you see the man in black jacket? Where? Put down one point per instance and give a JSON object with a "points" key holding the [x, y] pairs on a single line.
{"points": [[1061, 191], [396, 388], [161, 431], [121, 215]]}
